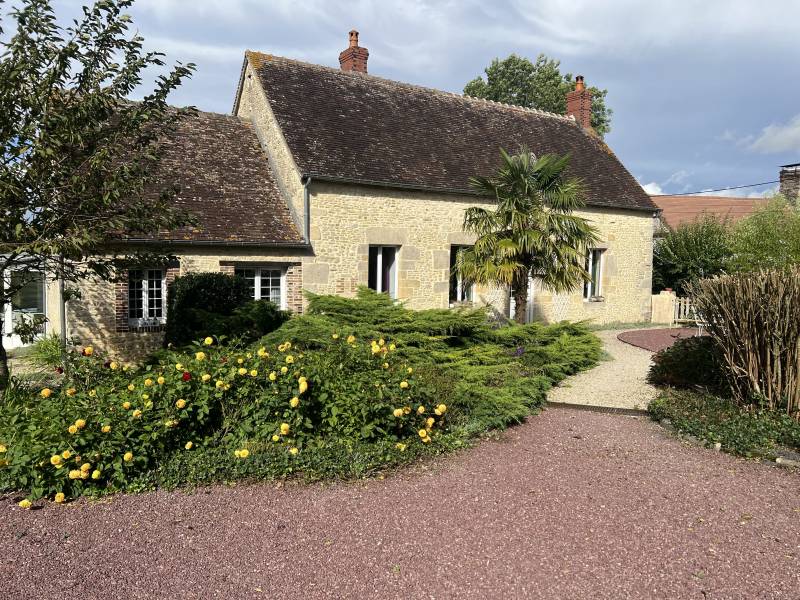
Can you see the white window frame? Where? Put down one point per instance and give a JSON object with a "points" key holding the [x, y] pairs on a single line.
{"points": [[460, 281], [145, 321], [589, 291], [379, 269], [257, 283]]}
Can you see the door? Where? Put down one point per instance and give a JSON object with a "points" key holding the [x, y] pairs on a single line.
{"points": [[26, 304]]}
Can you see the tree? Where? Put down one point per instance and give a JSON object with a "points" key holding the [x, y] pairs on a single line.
{"points": [[517, 80], [532, 232], [78, 159], [769, 238], [690, 252]]}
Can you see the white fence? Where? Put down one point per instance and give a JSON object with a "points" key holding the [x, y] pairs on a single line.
{"points": [[684, 311]]}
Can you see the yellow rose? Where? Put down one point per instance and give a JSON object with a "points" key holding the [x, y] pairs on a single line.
{"points": [[148, 382], [421, 410], [3, 448], [273, 376], [400, 446], [375, 348], [242, 371], [335, 336], [72, 429], [75, 474], [92, 393], [55, 460], [208, 341], [392, 347], [442, 408], [126, 405], [426, 439], [423, 433], [96, 474], [351, 339], [294, 402], [137, 413], [289, 359], [24, 503], [71, 392], [410, 370], [188, 445], [180, 403], [66, 454], [59, 498], [253, 373], [179, 367], [106, 428], [406, 410], [398, 412], [284, 428], [114, 365], [131, 387], [437, 412], [276, 437], [429, 422], [145, 396], [303, 386], [244, 453], [236, 453], [381, 342], [227, 387], [293, 451], [127, 457], [385, 365], [80, 423], [200, 356], [45, 393], [85, 467], [403, 384], [240, 360], [88, 351], [161, 381], [284, 370], [205, 377]]}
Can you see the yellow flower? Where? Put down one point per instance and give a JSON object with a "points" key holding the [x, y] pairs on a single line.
{"points": [[385, 365], [180, 403], [437, 412], [127, 457], [429, 422], [72, 429], [423, 433], [145, 396], [302, 386], [227, 386], [200, 356], [161, 381], [178, 367], [96, 474], [85, 467], [170, 423], [400, 446], [293, 451], [88, 351], [240, 361], [426, 439], [351, 339], [188, 445], [205, 377], [406, 410], [294, 402], [55, 460], [45, 393], [66, 454], [273, 376], [126, 405], [421, 409], [114, 365], [25, 503], [106, 428], [284, 370], [276, 437], [80, 423], [253, 373], [284, 428], [131, 387], [392, 347], [208, 341], [92, 393], [242, 371], [71, 392], [381, 342], [410, 370], [148, 382], [335, 336], [59, 498], [243, 453], [137, 413], [375, 348], [220, 383], [289, 359], [75, 474], [403, 384], [398, 412], [236, 453], [442, 408], [3, 448]]}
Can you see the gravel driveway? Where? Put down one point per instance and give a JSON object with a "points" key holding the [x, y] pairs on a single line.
{"points": [[572, 504], [618, 382]]}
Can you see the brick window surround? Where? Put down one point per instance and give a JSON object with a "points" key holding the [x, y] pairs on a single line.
{"points": [[121, 321], [294, 278]]}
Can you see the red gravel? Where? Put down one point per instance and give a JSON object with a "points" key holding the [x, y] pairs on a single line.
{"points": [[571, 504], [656, 339]]}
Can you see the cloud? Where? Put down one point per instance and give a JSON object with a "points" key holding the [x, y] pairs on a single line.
{"points": [[652, 188], [779, 137]]}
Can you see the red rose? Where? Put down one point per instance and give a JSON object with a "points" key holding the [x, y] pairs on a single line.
{"points": [[60, 370], [187, 376]]}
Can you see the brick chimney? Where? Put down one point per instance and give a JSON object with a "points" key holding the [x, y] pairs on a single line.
{"points": [[579, 104], [354, 58], [790, 182]]}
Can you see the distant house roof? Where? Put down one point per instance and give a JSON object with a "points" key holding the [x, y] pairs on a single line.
{"points": [[686, 209], [350, 126], [226, 183]]}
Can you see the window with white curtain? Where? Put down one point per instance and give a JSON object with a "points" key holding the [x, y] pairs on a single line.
{"points": [[147, 293], [266, 283]]}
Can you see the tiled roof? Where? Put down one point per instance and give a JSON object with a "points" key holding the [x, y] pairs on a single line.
{"points": [[686, 209], [226, 183], [357, 127]]}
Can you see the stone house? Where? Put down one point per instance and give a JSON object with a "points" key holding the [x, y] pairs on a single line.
{"points": [[327, 179]]}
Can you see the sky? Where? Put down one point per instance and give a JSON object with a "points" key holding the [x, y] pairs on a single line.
{"points": [[705, 93]]}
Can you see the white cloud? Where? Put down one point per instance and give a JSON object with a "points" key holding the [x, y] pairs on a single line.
{"points": [[652, 188], [779, 137]]}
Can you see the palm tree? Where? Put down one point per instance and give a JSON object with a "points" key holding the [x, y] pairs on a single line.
{"points": [[532, 232]]}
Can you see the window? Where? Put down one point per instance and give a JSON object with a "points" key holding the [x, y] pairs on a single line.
{"points": [[593, 289], [266, 283], [383, 269], [459, 291], [147, 290]]}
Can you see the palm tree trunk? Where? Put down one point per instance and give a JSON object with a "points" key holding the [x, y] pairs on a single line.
{"points": [[519, 292]]}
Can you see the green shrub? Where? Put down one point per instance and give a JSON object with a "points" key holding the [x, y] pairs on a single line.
{"points": [[689, 362], [750, 433]]}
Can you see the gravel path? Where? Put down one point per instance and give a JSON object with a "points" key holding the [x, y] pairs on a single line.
{"points": [[618, 382], [572, 504]]}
